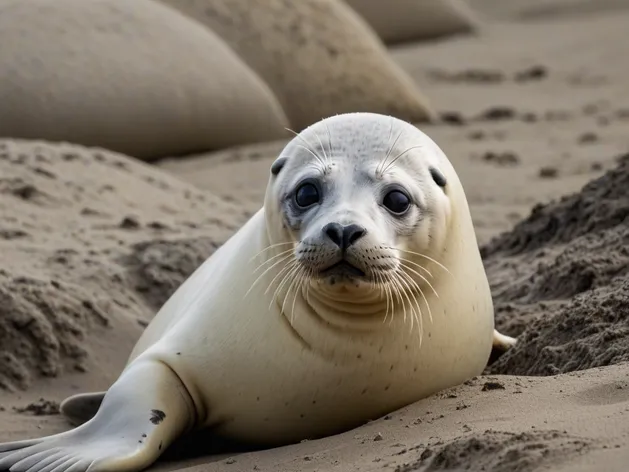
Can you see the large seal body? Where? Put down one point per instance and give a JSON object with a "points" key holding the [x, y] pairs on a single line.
{"points": [[264, 343]]}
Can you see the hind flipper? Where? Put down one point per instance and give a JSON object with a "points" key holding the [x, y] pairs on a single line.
{"points": [[82, 407], [140, 416], [503, 343]]}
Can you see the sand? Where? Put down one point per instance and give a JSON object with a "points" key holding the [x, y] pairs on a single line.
{"points": [[534, 113]]}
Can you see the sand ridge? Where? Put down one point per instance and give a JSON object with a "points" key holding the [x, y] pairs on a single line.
{"points": [[81, 234]]}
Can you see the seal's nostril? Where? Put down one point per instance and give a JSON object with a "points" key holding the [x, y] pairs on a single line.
{"points": [[344, 236], [334, 231], [351, 234]]}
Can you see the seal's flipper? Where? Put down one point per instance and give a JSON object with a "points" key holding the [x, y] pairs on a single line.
{"points": [[141, 414], [503, 343], [82, 407]]}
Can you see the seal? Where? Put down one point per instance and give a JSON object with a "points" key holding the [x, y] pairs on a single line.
{"points": [[356, 290]]}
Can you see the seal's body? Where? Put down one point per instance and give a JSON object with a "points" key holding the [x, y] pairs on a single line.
{"points": [[357, 289]]}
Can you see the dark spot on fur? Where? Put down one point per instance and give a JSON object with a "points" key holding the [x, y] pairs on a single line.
{"points": [[157, 416], [438, 177], [277, 166], [160, 445]]}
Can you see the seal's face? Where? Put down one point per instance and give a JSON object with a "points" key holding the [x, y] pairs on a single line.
{"points": [[355, 199]]}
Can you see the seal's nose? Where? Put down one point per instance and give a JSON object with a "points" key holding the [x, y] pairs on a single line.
{"points": [[344, 236]]}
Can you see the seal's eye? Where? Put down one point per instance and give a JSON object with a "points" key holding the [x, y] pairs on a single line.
{"points": [[307, 194], [396, 202]]}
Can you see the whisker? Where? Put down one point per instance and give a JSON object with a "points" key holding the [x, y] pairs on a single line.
{"points": [[308, 147], [398, 291], [387, 293], [400, 155], [329, 139], [411, 306], [295, 267], [266, 271], [287, 266], [419, 318], [388, 284], [270, 247], [426, 257], [383, 162], [271, 259], [296, 274], [400, 258], [420, 290], [310, 273], [325, 155], [383, 289], [305, 275], [314, 155], [402, 261], [405, 295]]}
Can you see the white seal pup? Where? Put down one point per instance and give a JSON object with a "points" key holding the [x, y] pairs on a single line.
{"points": [[356, 290]]}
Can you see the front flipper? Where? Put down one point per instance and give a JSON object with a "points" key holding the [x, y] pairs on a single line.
{"points": [[82, 407], [142, 413]]}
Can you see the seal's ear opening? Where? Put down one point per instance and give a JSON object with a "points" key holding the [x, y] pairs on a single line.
{"points": [[277, 166], [438, 177]]}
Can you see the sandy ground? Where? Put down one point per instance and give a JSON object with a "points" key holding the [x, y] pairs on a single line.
{"points": [[533, 109]]}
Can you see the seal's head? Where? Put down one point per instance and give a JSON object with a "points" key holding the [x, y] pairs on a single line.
{"points": [[362, 195]]}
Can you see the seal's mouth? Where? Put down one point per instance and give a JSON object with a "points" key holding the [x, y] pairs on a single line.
{"points": [[342, 268]]}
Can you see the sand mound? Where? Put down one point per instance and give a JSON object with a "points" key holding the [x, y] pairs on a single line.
{"points": [[135, 77], [91, 242], [159, 267], [560, 279], [497, 451], [318, 56], [398, 21], [601, 204]]}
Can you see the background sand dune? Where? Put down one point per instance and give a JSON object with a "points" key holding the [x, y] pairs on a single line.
{"points": [[318, 56], [134, 77], [533, 114], [410, 20]]}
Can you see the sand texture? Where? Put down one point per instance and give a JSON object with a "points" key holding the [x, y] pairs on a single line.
{"points": [[412, 20], [82, 258], [533, 113], [319, 57], [561, 278], [149, 83]]}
